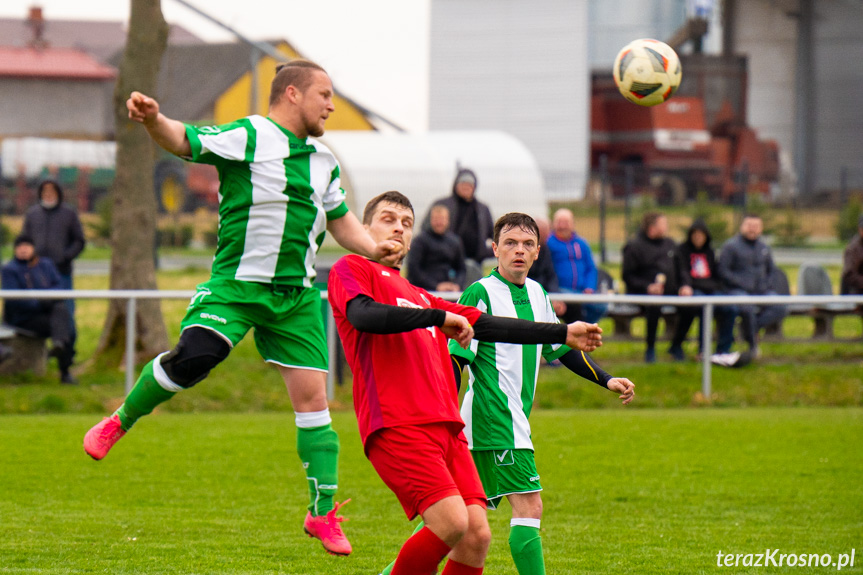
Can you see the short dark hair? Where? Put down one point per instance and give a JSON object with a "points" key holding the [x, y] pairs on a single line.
{"points": [[515, 220], [391, 197], [296, 73], [648, 219]]}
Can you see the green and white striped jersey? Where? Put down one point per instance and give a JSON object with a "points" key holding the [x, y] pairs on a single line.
{"points": [[502, 382], [276, 194]]}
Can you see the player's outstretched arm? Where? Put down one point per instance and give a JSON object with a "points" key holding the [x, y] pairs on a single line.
{"points": [[458, 328], [351, 235], [169, 134]]}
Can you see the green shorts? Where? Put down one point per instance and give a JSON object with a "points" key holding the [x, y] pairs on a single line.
{"points": [[289, 328], [506, 471]]}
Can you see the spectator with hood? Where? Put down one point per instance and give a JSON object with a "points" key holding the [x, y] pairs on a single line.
{"points": [[697, 274], [470, 220], [56, 231]]}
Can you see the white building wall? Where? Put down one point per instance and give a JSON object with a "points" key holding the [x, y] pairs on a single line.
{"points": [[838, 63], [768, 37], [54, 108], [521, 67]]}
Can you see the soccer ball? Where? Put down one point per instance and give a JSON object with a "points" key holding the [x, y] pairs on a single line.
{"points": [[647, 72]]}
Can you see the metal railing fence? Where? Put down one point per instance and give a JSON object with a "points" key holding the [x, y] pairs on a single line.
{"points": [[707, 302]]}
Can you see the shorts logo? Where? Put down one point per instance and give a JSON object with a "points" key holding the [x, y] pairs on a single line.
{"points": [[199, 296], [534, 478], [505, 457], [221, 320]]}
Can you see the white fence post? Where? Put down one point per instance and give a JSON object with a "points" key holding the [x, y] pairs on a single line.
{"points": [[131, 328]]}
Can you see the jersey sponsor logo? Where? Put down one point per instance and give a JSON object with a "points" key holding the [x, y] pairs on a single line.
{"points": [[505, 457], [221, 320], [199, 296], [518, 302], [402, 302]]}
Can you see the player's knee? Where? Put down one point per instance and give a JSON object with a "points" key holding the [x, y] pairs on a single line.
{"points": [[198, 351], [479, 537]]}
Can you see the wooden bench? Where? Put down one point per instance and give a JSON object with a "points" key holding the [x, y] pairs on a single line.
{"points": [[29, 352], [623, 314]]}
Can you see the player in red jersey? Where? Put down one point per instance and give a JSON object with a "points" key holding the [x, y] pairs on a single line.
{"points": [[394, 335]]}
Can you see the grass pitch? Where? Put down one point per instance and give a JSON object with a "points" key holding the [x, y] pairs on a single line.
{"points": [[626, 491]]}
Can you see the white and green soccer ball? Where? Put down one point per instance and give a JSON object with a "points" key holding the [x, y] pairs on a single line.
{"points": [[647, 72]]}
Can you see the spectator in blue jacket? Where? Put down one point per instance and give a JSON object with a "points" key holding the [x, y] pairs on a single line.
{"points": [[573, 262], [45, 318]]}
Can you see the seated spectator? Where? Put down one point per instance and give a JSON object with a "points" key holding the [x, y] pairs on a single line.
{"points": [[470, 220], [45, 318], [436, 262], [745, 266], [697, 275], [852, 268], [648, 268], [542, 270], [573, 262]]}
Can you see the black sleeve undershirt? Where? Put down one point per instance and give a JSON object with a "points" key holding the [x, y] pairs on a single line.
{"points": [[367, 315], [580, 363], [511, 330]]}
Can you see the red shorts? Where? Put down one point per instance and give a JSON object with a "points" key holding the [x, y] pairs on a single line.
{"points": [[423, 464]]}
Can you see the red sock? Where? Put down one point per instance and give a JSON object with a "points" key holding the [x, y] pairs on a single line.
{"points": [[420, 554], [456, 568]]}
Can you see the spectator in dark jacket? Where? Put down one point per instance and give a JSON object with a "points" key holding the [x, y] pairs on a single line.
{"points": [[470, 220], [852, 269], [648, 268], [58, 235], [436, 262], [745, 266], [45, 318], [697, 274]]}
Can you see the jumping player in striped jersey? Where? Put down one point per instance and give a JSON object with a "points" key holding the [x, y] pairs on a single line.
{"points": [[502, 382], [279, 194]]}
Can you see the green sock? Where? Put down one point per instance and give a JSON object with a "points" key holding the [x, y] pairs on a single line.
{"points": [[143, 398], [389, 567], [318, 448], [525, 544]]}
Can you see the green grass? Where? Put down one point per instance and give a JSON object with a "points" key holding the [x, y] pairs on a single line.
{"points": [[626, 491]]}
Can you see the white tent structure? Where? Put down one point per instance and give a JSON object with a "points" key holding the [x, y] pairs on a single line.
{"points": [[422, 166]]}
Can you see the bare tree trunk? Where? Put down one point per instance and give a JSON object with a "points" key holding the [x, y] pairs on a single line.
{"points": [[133, 202]]}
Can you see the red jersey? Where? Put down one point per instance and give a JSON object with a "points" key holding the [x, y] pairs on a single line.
{"points": [[400, 378]]}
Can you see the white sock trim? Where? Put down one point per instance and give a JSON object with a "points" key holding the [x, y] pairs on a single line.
{"points": [[162, 378], [308, 419], [525, 522]]}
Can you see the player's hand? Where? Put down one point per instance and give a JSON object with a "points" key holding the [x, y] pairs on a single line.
{"points": [[583, 336], [142, 109], [624, 387], [457, 327], [388, 253], [656, 289], [559, 307]]}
